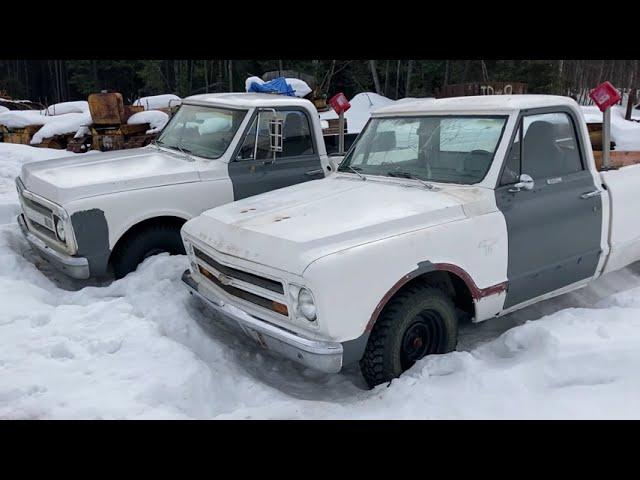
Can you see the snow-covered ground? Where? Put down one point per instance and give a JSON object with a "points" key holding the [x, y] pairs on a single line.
{"points": [[140, 347]]}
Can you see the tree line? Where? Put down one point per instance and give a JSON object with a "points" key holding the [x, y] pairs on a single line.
{"points": [[52, 81]]}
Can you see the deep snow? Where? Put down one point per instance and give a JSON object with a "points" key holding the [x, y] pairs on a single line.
{"points": [[140, 347]]}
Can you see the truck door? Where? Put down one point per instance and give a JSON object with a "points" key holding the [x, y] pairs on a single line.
{"points": [[256, 169], [554, 216]]}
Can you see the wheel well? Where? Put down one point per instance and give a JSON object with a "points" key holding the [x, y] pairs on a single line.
{"points": [[450, 283], [164, 220]]}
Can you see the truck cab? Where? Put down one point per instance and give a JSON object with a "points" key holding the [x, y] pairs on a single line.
{"points": [[95, 213], [442, 211]]}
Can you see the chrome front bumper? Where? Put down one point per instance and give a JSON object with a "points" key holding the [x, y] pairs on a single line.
{"points": [[75, 267], [316, 354]]}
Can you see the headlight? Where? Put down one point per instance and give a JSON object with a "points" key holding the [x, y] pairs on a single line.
{"points": [[306, 305], [60, 229]]}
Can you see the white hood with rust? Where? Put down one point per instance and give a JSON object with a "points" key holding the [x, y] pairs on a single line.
{"points": [[290, 228], [66, 179]]}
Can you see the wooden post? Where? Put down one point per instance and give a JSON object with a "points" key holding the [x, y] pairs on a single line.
{"points": [[631, 100], [606, 138], [341, 135]]}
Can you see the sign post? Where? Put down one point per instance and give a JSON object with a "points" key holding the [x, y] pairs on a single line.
{"points": [[340, 104], [341, 135], [604, 96]]}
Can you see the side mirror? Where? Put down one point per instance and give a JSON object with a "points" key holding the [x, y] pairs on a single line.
{"points": [[275, 135], [525, 183]]}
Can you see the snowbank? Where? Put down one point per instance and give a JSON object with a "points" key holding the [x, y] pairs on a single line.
{"points": [[362, 105], [4, 109], [140, 347], [155, 118], [67, 107], [158, 101], [300, 87], [61, 125]]}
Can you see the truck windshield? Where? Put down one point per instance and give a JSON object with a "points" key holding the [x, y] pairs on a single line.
{"points": [[202, 131], [448, 149]]}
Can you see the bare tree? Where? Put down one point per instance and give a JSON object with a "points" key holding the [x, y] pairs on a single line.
{"points": [[445, 82], [386, 77], [397, 79], [374, 74], [408, 84]]}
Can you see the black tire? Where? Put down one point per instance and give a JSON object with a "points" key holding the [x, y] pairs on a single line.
{"points": [[418, 321], [145, 242]]}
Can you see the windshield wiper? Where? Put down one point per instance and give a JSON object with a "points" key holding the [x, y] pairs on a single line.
{"points": [[184, 151], [354, 170], [396, 173]]}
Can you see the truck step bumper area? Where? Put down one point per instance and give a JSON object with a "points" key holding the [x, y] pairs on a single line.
{"points": [[316, 354], [75, 267]]}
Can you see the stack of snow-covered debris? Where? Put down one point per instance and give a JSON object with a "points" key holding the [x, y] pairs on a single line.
{"points": [[117, 126], [167, 103], [102, 123], [51, 127]]}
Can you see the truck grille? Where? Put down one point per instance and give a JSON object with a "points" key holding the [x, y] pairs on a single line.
{"points": [[239, 274], [39, 218], [231, 280]]}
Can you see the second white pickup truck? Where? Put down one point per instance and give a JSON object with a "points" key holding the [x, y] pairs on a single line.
{"points": [[456, 208], [94, 213]]}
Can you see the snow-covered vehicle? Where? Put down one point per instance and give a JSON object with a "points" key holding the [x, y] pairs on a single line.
{"points": [[92, 213], [443, 210]]}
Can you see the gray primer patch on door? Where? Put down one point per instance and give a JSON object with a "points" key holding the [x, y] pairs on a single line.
{"points": [[92, 236]]}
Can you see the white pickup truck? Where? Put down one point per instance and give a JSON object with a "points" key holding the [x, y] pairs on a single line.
{"points": [[93, 213], [442, 210]]}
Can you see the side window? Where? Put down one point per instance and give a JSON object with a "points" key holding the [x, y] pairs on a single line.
{"points": [[549, 146], [297, 138], [296, 135], [511, 172]]}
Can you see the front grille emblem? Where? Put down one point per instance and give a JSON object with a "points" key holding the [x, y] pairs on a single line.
{"points": [[223, 279]]}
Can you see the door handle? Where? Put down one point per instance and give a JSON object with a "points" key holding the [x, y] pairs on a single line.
{"points": [[314, 172], [595, 193]]}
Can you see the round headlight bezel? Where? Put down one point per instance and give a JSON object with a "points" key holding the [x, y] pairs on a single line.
{"points": [[307, 305], [60, 231]]}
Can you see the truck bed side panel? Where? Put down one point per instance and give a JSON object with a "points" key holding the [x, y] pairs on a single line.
{"points": [[623, 187]]}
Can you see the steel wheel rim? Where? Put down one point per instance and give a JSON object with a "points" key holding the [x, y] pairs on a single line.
{"points": [[422, 337]]}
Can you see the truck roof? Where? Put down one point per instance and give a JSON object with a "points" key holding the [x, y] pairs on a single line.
{"points": [[247, 100], [483, 103]]}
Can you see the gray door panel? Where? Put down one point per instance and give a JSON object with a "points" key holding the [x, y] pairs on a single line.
{"points": [[248, 178], [297, 163], [291, 170], [553, 235], [553, 232]]}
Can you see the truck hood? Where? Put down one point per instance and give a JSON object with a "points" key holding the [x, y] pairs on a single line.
{"points": [[66, 179], [290, 228]]}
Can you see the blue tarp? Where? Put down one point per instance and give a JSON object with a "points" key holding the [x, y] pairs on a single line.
{"points": [[277, 85]]}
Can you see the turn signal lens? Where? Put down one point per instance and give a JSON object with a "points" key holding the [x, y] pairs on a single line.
{"points": [[280, 308]]}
